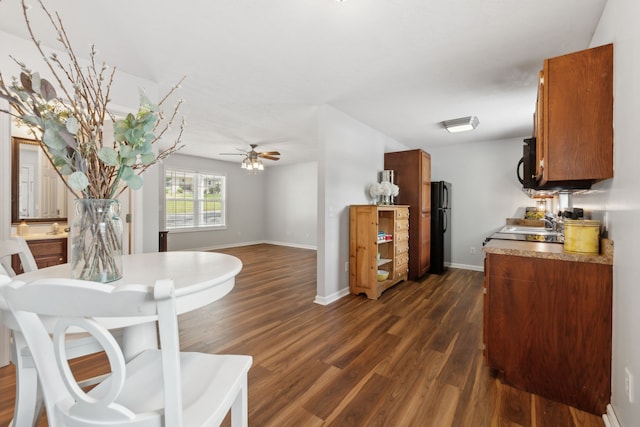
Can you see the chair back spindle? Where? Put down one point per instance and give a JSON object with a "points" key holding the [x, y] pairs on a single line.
{"points": [[16, 246]]}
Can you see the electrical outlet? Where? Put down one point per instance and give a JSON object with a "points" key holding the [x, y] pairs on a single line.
{"points": [[628, 385], [472, 250]]}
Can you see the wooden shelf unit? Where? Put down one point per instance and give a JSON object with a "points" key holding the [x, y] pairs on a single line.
{"points": [[365, 222]]}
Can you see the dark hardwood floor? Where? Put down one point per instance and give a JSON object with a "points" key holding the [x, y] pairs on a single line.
{"points": [[411, 358]]}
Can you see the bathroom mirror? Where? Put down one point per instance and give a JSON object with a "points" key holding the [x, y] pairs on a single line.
{"points": [[38, 194]]}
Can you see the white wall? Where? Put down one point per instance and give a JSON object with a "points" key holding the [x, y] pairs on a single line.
{"points": [[351, 156], [5, 172], [5, 209], [620, 197], [485, 191], [277, 205], [145, 207], [246, 196], [291, 216]]}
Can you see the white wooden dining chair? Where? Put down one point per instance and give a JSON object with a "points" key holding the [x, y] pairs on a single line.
{"points": [[26, 379], [16, 246], [27, 411], [158, 387]]}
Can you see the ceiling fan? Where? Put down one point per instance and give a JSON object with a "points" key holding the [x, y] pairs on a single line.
{"points": [[252, 158]]}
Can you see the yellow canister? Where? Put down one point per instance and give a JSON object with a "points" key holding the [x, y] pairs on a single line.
{"points": [[582, 236]]}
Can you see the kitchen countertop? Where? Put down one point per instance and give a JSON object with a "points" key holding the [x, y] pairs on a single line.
{"points": [[549, 251], [45, 236]]}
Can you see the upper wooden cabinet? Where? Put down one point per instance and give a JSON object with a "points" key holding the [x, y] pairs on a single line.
{"points": [[412, 171], [573, 125]]}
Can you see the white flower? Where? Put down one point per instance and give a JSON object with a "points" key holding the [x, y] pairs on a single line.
{"points": [[375, 190], [384, 188], [389, 189]]}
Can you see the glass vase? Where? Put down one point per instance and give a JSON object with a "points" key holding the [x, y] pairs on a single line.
{"points": [[96, 240]]}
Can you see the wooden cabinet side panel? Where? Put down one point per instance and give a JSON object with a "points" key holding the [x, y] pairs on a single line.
{"points": [[486, 313], [363, 231], [578, 115], [425, 244], [540, 120], [506, 349], [413, 176], [425, 183], [549, 328]]}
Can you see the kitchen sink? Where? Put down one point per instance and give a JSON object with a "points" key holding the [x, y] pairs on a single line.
{"points": [[520, 229]]}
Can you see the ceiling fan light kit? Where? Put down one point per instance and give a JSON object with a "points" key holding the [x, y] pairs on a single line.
{"points": [[253, 159], [252, 164], [462, 124]]}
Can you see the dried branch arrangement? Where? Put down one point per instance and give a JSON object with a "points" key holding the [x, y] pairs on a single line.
{"points": [[71, 125]]}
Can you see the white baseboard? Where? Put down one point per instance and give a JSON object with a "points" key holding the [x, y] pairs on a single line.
{"points": [[466, 266], [291, 245], [610, 419], [331, 298], [232, 245], [345, 291], [237, 245]]}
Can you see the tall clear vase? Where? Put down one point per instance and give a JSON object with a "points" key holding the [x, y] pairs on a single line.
{"points": [[96, 240]]}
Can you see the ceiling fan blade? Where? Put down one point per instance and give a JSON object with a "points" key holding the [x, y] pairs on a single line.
{"points": [[233, 154], [271, 153], [268, 157]]}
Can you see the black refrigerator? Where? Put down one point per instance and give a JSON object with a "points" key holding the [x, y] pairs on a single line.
{"points": [[440, 226]]}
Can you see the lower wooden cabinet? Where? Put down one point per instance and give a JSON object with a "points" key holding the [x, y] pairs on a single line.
{"points": [[46, 252], [548, 327], [378, 240]]}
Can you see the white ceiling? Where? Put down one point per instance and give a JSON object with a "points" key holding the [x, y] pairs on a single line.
{"points": [[257, 70]]}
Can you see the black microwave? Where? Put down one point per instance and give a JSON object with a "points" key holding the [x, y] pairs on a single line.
{"points": [[527, 165]]}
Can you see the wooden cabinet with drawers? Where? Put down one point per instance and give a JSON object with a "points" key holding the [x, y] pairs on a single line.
{"points": [[46, 252], [378, 240]]}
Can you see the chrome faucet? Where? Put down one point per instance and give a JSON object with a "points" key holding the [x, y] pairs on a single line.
{"points": [[554, 223], [550, 222]]}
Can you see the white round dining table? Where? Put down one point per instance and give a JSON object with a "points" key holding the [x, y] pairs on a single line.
{"points": [[200, 278]]}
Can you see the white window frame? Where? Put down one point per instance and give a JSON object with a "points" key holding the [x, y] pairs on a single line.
{"points": [[199, 223]]}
